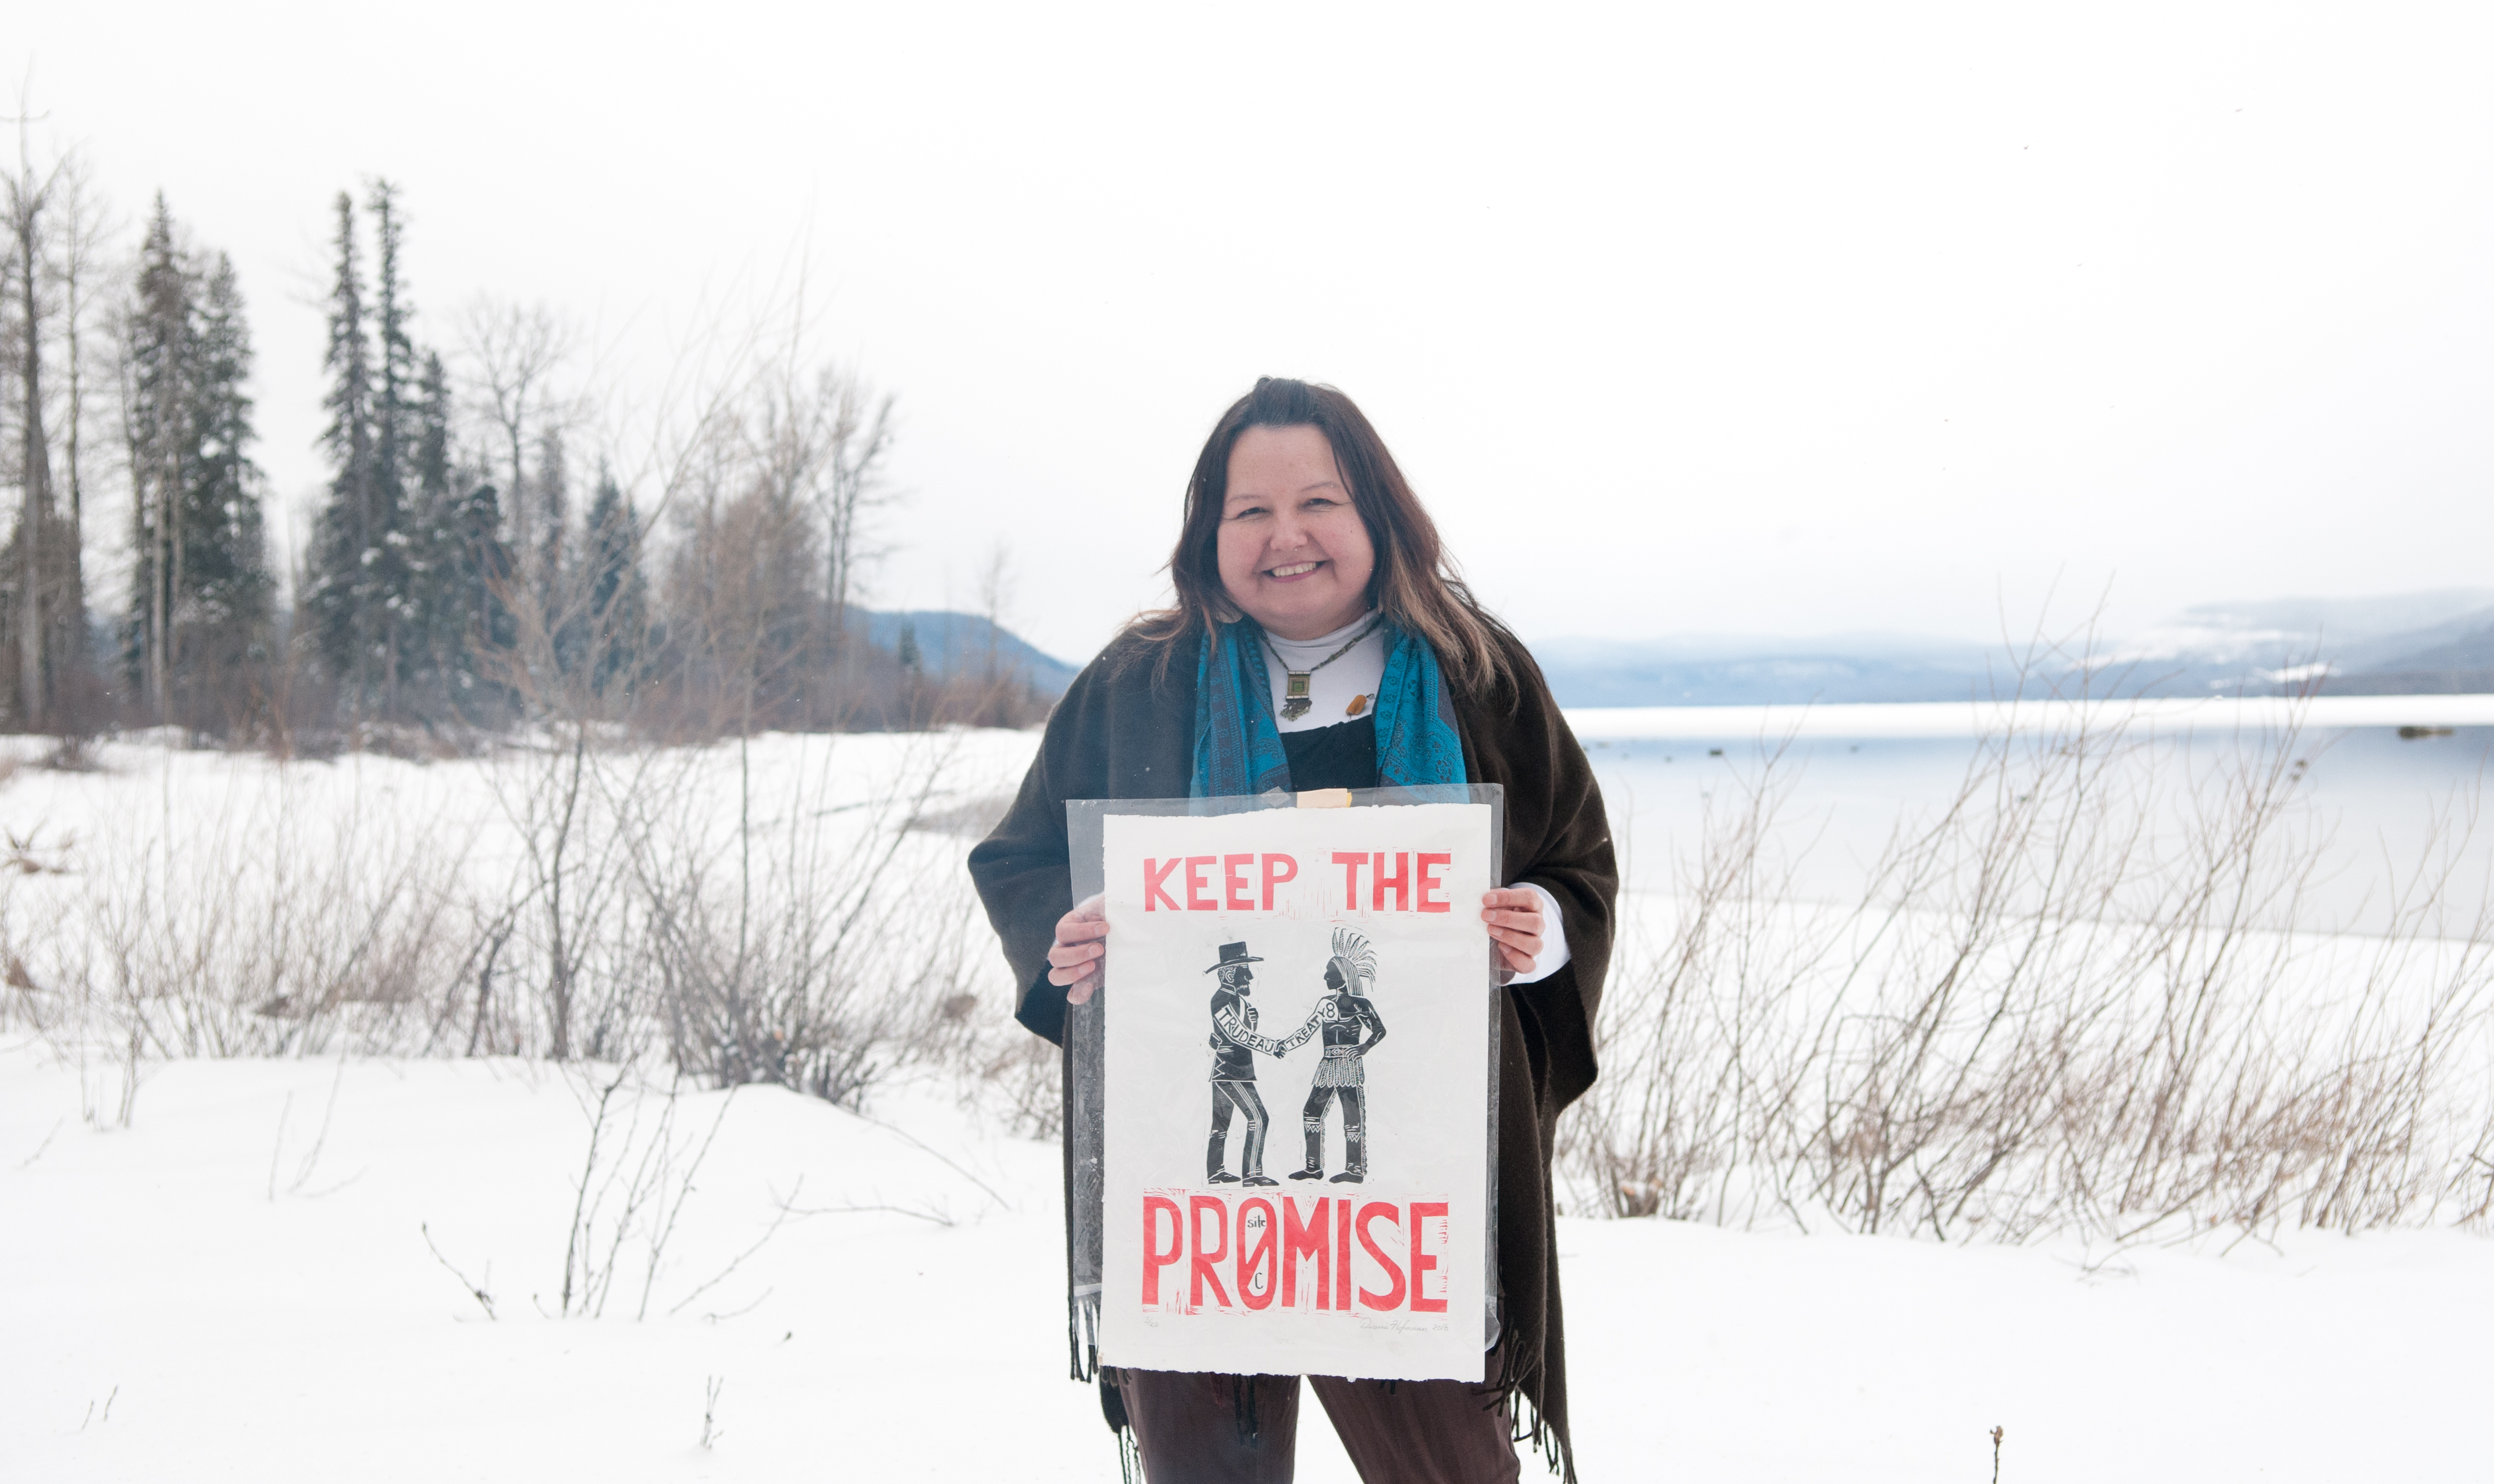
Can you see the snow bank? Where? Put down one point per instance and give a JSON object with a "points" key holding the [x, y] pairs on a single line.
{"points": [[248, 1311]]}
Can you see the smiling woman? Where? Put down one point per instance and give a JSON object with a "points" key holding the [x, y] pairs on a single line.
{"points": [[1291, 546], [1295, 474], [1321, 639]]}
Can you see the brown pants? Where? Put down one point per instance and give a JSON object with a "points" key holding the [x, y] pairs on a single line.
{"points": [[1204, 1428]]}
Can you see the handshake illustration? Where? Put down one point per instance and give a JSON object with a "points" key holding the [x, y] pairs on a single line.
{"points": [[1329, 1015], [1347, 1019]]}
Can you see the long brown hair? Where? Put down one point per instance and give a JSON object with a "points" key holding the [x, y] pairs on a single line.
{"points": [[1414, 584]]}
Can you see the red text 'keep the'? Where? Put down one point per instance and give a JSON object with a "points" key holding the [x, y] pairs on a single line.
{"points": [[1395, 881]]}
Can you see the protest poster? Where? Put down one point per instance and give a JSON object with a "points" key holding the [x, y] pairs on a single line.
{"points": [[1296, 1091]]}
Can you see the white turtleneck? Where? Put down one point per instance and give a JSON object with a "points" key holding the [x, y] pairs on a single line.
{"points": [[1345, 690]]}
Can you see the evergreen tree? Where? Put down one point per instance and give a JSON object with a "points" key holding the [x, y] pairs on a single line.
{"points": [[617, 593], [363, 597], [394, 410], [433, 649], [460, 570], [433, 435], [388, 574], [199, 602], [474, 612], [154, 424], [564, 622], [341, 598], [228, 586]]}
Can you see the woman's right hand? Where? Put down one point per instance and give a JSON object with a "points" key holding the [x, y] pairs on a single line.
{"points": [[1081, 947]]}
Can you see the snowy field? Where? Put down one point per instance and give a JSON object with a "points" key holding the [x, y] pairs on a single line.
{"points": [[239, 1286], [323, 1265]]}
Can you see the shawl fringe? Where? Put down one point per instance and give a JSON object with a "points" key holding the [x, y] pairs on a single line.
{"points": [[1130, 1448], [1516, 1393], [1082, 1334]]}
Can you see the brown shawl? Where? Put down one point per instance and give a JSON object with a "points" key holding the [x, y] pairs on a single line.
{"points": [[1122, 733]]}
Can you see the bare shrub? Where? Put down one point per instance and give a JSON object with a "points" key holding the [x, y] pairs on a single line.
{"points": [[799, 938], [261, 932], [636, 1174], [785, 910], [567, 929], [2081, 996], [1692, 1032], [1020, 1076]]}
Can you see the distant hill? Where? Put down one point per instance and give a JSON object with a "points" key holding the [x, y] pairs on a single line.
{"points": [[2407, 644], [2453, 657], [952, 644], [2437, 643], [1759, 671]]}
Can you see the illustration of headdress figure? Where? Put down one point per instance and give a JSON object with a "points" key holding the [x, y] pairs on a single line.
{"points": [[1351, 1028], [1353, 962]]}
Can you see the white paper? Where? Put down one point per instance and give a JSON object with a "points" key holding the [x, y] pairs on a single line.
{"points": [[1177, 1246]]}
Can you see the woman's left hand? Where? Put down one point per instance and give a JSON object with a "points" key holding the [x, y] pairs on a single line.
{"points": [[1514, 918]]}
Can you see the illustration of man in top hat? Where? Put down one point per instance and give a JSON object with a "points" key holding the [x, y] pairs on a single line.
{"points": [[1235, 1045]]}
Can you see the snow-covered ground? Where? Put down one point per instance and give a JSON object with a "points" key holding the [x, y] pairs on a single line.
{"points": [[240, 1286], [255, 1278]]}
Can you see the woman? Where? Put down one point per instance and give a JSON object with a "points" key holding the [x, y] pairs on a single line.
{"points": [[1321, 639]]}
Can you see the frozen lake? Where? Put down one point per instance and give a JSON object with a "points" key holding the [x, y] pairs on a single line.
{"points": [[2381, 802]]}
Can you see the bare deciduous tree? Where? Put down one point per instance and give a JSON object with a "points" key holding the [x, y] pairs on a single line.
{"points": [[857, 443], [514, 352], [81, 229], [46, 617]]}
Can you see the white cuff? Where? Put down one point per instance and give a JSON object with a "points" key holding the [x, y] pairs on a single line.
{"points": [[1554, 939]]}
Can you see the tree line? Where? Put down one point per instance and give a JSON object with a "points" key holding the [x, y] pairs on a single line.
{"points": [[453, 583]]}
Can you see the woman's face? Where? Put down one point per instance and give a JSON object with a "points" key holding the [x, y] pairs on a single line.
{"points": [[1293, 554]]}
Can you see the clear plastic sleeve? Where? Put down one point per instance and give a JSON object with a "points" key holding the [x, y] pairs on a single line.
{"points": [[1086, 1024]]}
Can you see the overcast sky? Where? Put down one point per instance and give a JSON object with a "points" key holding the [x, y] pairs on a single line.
{"points": [[1704, 319]]}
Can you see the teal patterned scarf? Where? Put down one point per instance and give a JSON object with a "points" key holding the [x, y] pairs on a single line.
{"points": [[1238, 746]]}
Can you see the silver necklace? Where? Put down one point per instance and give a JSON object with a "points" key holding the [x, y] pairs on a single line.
{"points": [[1295, 690]]}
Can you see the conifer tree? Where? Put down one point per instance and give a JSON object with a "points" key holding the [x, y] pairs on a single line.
{"points": [[341, 598], [387, 562], [617, 593], [474, 613], [363, 601], [564, 622], [433, 649], [199, 598], [228, 586], [460, 570], [433, 432], [153, 422], [394, 363]]}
